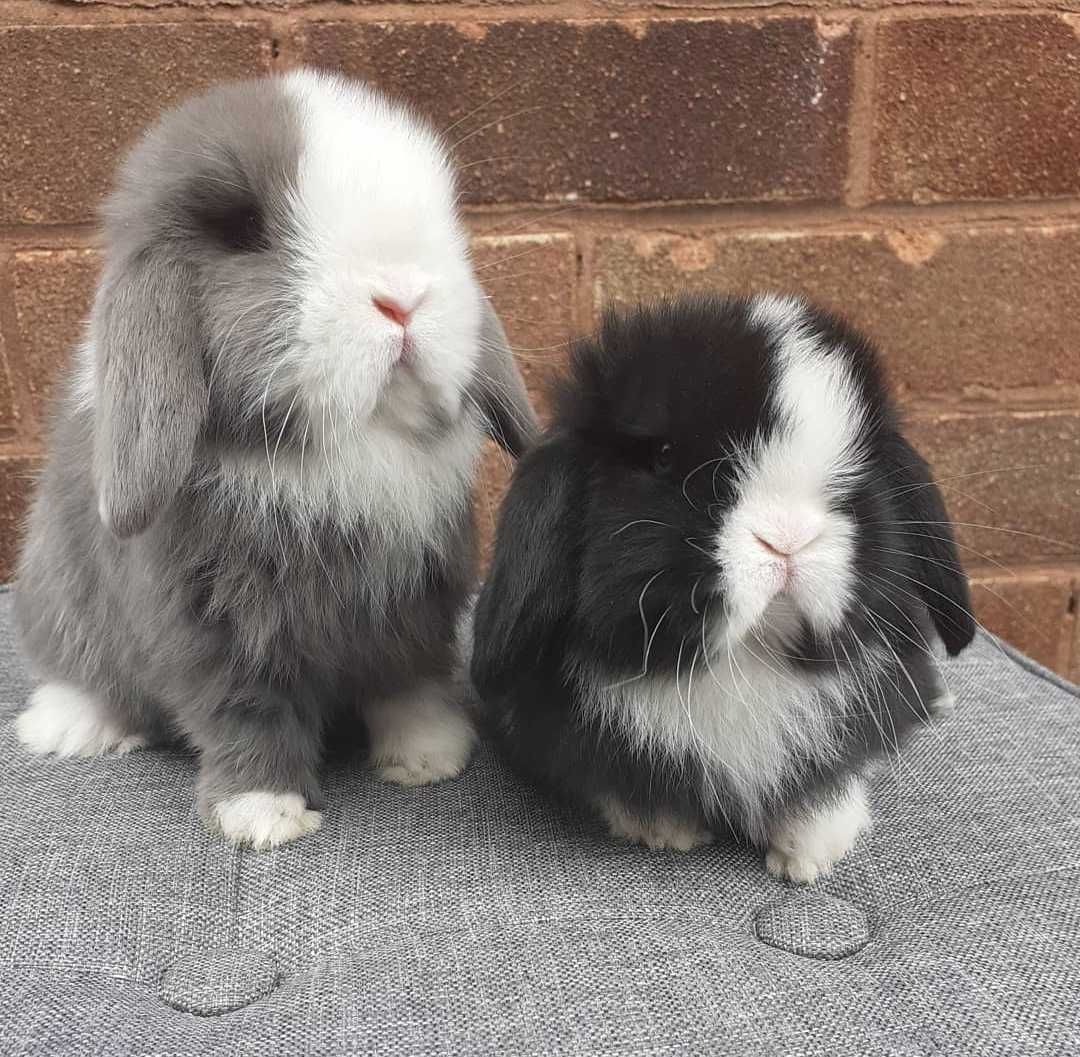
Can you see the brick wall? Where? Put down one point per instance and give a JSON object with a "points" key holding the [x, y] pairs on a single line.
{"points": [[916, 166]]}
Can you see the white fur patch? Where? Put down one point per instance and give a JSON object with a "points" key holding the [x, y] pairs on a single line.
{"points": [[781, 535], [418, 737], [943, 705], [261, 819], [804, 847], [661, 832], [376, 218], [64, 720], [736, 711]]}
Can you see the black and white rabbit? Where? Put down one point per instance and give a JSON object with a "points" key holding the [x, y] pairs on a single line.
{"points": [[254, 522], [716, 581]]}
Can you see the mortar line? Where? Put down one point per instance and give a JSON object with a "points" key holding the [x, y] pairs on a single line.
{"points": [[861, 117], [682, 218]]}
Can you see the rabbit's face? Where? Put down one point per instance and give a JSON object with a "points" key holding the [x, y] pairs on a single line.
{"points": [[288, 305], [734, 480], [333, 280]]}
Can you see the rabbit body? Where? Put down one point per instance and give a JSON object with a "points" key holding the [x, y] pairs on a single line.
{"points": [[717, 582], [253, 531]]}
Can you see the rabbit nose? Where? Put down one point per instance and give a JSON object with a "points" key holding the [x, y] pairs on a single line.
{"points": [[766, 545], [394, 309], [785, 547]]}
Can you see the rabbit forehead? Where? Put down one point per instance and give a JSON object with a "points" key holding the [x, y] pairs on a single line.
{"points": [[366, 164], [764, 382], [821, 415]]}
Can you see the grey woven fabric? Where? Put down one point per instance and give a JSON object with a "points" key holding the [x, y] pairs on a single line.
{"points": [[470, 918]]}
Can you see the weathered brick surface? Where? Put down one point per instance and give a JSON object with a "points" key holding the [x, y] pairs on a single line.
{"points": [[1031, 611], [16, 484], [53, 290], [958, 310], [531, 280], [72, 97], [682, 109], [978, 107], [1012, 480]]}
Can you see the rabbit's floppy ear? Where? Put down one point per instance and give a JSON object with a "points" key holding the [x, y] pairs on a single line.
{"points": [[500, 389], [528, 595], [150, 397], [943, 585]]}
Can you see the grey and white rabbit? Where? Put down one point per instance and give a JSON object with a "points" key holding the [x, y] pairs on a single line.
{"points": [[253, 529], [717, 581]]}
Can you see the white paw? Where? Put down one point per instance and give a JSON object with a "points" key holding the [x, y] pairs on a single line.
{"points": [[662, 832], [943, 705], [262, 819], [418, 739], [805, 847], [69, 722]]}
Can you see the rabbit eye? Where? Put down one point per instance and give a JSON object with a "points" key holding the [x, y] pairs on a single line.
{"points": [[663, 457], [237, 226], [241, 228]]}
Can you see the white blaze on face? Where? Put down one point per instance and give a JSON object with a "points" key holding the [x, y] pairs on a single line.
{"points": [[376, 224], [781, 540]]}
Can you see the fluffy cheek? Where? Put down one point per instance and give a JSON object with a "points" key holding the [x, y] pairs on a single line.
{"points": [[749, 577], [823, 578], [445, 343], [343, 354]]}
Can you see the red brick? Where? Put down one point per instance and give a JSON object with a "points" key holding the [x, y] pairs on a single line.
{"points": [[705, 108], [1012, 480], [53, 290], [977, 107], [959, 310], [1029, 610], [17, 474], [73, 97], [531, 280]]}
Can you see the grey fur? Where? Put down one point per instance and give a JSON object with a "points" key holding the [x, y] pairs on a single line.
{"points": [[502, 390], [249, 626]]}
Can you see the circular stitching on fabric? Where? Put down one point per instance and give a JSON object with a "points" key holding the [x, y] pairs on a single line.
{"points": [[813, 926], [220, 980]]}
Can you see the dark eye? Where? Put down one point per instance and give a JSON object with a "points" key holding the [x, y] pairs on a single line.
{"points": [[240, 228], [236, 224], [663, 458]]}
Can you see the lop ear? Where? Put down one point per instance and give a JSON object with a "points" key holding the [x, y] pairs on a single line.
{"points": [[943, 584], [150, 398], [500, 389], [529, 592]]}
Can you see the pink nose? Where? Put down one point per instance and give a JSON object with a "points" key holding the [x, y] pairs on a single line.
{"points": [[786, 547], [780, 552], [393, 310]]}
